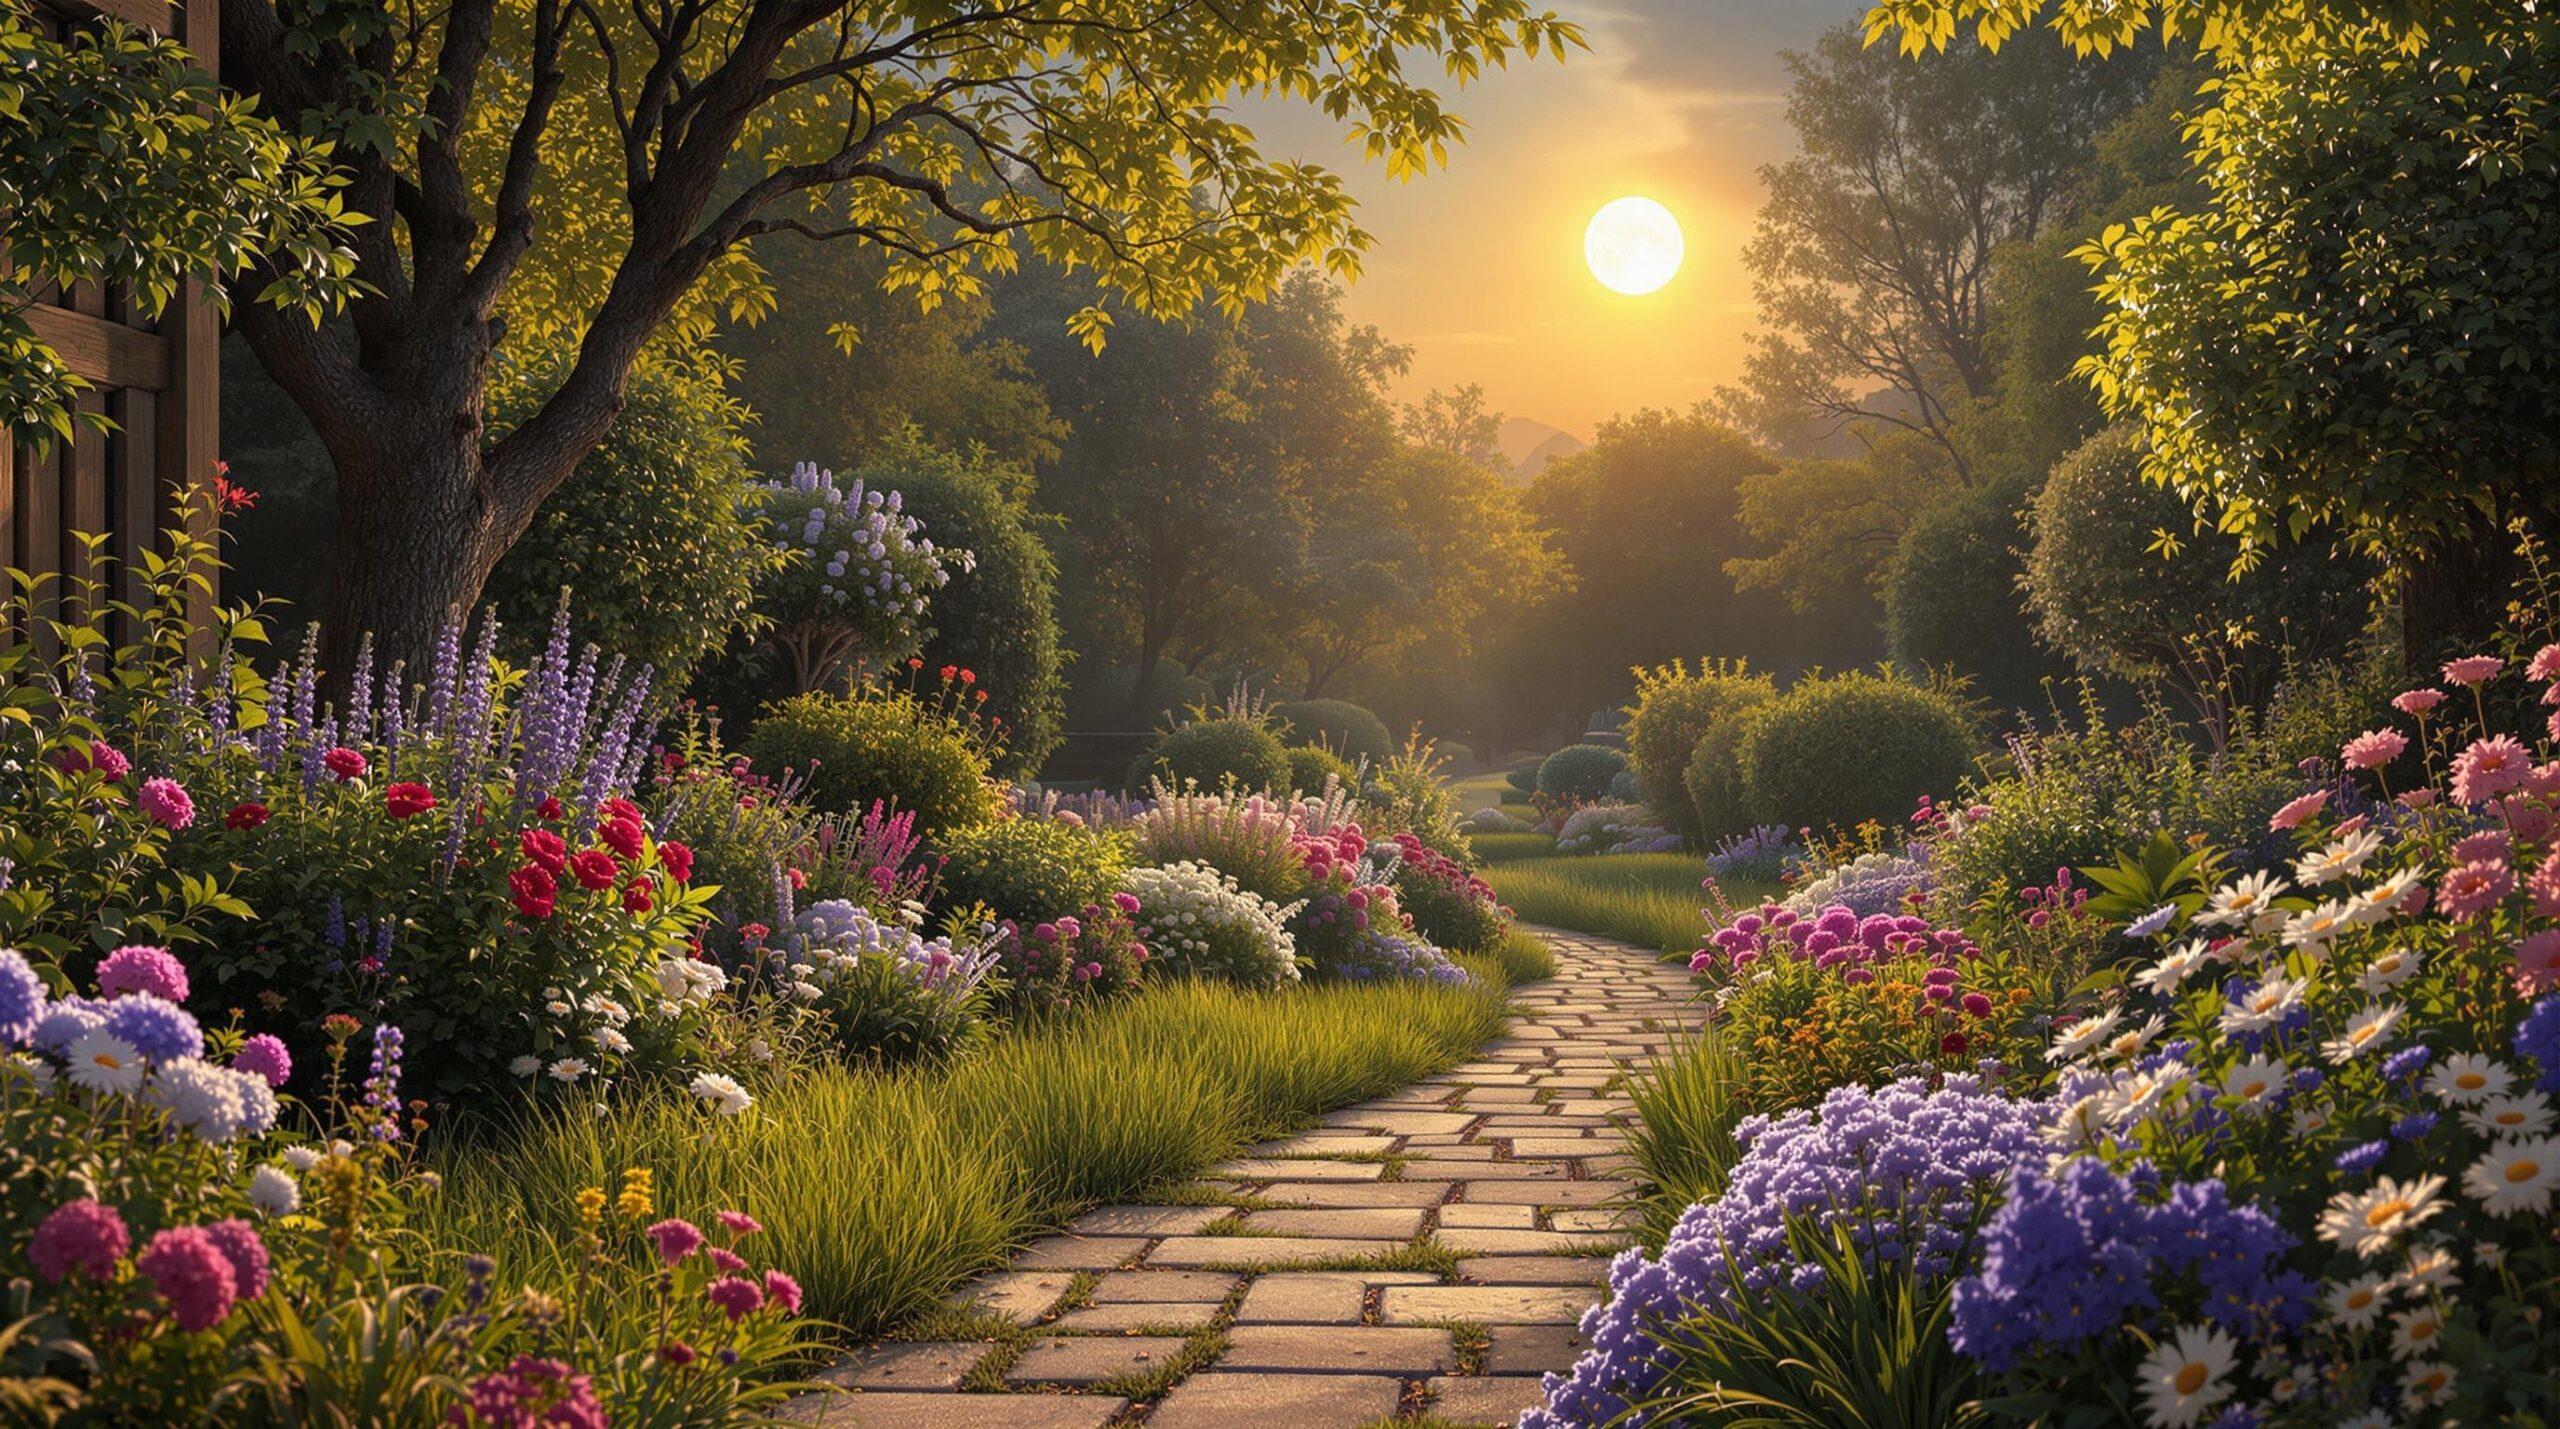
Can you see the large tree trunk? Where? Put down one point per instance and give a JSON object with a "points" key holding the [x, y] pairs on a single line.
{"points": [[415, 543]]}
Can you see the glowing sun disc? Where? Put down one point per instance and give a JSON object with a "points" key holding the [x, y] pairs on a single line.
{"points": [[1633, 246]]}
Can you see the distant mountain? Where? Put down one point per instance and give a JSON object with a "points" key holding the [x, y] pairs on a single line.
{"points": [[1529, 445]]}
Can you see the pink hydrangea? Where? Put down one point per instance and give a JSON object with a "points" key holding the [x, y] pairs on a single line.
{"points": [[2473, 669], [264, 1056], [736, 1297], [139, 967], [2473, 888], [676, 1239], [2545, 664], [79, 1235], [2374, 748], [189, 1270], [2417, 702], [166, 801], [238, 1241], [783, 1293], [2292, 814], [2488, 768], [2538, 963]]}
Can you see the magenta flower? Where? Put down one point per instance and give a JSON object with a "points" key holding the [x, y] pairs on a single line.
{"points": [[2473, 669], [2374, 748], [139, 967], [2490, 767], [726, 1261], [2292, 814], [79, 1235], [533, 1394], [738, 1223], [343, 762], [737, 1298], [676, 1239], [2545, 664], [782, 1292], [2486, 846], [2473, 887], [189, 1270], [2538, 963], [166, 801], [2417, 702], [263, 1056], [238, 1241], [109, 761]]}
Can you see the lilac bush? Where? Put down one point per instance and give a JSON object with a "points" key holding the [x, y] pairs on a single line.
{"points": [[856, 591]]}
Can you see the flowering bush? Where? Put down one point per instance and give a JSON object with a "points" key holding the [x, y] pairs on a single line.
{"points": [[1763, 855], [1201, 923], [1875, 882], [1378, 956], [1347, 899], [1446, 903], [889, 994], [1612, 828], [1248, 837], [855, 593], [1075, 959]]}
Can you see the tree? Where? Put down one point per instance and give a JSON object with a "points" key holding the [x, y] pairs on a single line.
{"points": [[656, 141], [122, 164], [1455, 421]]}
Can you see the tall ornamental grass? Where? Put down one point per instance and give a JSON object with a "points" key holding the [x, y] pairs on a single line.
{"points": [[883, 1191], [1651, 900]]}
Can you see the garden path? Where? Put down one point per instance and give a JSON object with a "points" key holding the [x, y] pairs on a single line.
{"points": [[1419, 1258]]}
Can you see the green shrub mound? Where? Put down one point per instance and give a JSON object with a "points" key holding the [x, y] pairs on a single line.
{"points": [[1214, 753], [1030, 870], [853, 751], [1338, 725], [1524, 778], [1580, 771], [1951, 598], [1839, 751], [1308, 767], [1713, 780], [883, 1017], [1674, 708]]}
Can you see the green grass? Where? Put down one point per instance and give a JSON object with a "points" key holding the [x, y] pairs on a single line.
{"points": [[1524, 957], [1648, 899], [1510, 848], [882, 1192], [1481, 791], [1687, 1103]]}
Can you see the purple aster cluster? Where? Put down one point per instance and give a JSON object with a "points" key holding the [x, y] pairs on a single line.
{"points": [[2070, 1255], [1385, 957], [2538, 1041], [22, 997], [1904, 1169], [1838, 937]]}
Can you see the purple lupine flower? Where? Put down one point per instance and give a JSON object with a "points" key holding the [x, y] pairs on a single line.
{"points": [[395, 721], [440, 687], [360, 693], [382, 1081]]}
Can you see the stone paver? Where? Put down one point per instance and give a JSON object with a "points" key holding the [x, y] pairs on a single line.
{"points": [[1516, 1160]]}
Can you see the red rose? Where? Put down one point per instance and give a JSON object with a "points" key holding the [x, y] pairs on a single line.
{"points": [[534, 890], [622, 809], [623, 836], [968, 677], [677, 860], [594, 869], [408, 800], [245, 816], [545, 848], [549, 809], [344, 762], [636, 898]]}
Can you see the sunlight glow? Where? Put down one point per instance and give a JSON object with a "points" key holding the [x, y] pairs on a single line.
{"points": [[1633, 246]]}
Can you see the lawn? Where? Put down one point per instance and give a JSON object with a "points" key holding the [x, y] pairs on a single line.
{"points": [[1649, 899]]}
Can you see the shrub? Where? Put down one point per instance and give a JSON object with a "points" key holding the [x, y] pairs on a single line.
{"points": [[1673, 710], [852, 600], [1836, 752], [1215, 753], [1198, 922], [1074, 960], [1406, 794], [1580, 771], [1310, 767], [998, 614], [1379, 956], [1249, 839], [1448, 905], [849, 752], [1030, 870], [1524, 778], [1713, 780], [656, 531], [1338, 725], [1951, 598], [1492, 821], [889, 996], [1612, 828]]}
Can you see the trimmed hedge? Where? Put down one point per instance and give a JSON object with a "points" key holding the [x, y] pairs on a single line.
{"points": [[1836, 752], [1215, 752], [1338, 725], [1030, 870], [1309, 765], [1673, 709], [1713, 779], [1580, 771]]}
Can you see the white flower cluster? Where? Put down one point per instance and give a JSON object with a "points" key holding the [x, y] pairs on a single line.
{"points": [[832, 938], [1200, 922]]}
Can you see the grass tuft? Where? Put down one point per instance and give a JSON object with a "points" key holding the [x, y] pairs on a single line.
{"points": [[1687, 1104], [1524, 957]]}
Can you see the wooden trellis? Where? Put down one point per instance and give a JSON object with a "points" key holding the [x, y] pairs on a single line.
{"points": [[155, 380]]}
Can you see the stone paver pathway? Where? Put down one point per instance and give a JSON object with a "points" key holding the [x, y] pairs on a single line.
{"points": [[1423, 1255]]}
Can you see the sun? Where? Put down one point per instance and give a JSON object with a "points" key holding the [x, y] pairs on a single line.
{"points": [[1633, 246]]}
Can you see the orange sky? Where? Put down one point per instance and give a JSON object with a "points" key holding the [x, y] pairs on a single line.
{"points": [[1480, 266]]}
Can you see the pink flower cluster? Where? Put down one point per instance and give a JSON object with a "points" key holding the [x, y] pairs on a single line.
{"points": [[1431, 863], [1835, 937], [139, 967], [532, 1393]]}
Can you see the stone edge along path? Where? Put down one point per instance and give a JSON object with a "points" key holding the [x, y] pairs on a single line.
{"points": [[1513, 1163]]}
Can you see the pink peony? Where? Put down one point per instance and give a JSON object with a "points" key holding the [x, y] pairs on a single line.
{"points": [[676, 1239], [2473, 669], [2374, 748], [2490, 767], [737, 1298], [2292, 814], [190, 1271], [2474, 887], [783, 1293], [79, 1235], [2417, 702], [2538, 963], [2545, 664], [2486, 846], [109, 761], [166, 801], [238, 1241], [264, 1057], [139, 967]]}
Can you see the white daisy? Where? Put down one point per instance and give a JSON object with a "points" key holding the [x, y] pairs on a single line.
{"points": [[2430, 1268], [2287, 1385], [568, 1069], [2520, 1114], [2468, 1079], [723, 1094], [2369, 1221], [2145, 1093], [2366, 1031], [2126, 1045], [101, 1061], [612, 1041], [2311, 929], [2427, 1383], [2237, 903], [2185, 1377], [2370, 1419], [2490, 1254], [272, 1190], [2082, 1035], [2152, 922], [302, 1158], [2262, 1007], [2415, 1332], [2389, 970], [525, 1066], [2341, 858], [2358, 1302], [2387, 897], [2081, 1124], [2164, 976], [2515, 1176], [2308, 1119], [2256, 1082]]}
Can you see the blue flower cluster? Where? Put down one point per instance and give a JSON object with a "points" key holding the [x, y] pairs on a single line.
{"points": [[1385, 957], [1905, 1169], [1761, 855], [2070, 1255], [2538, 1039]]}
